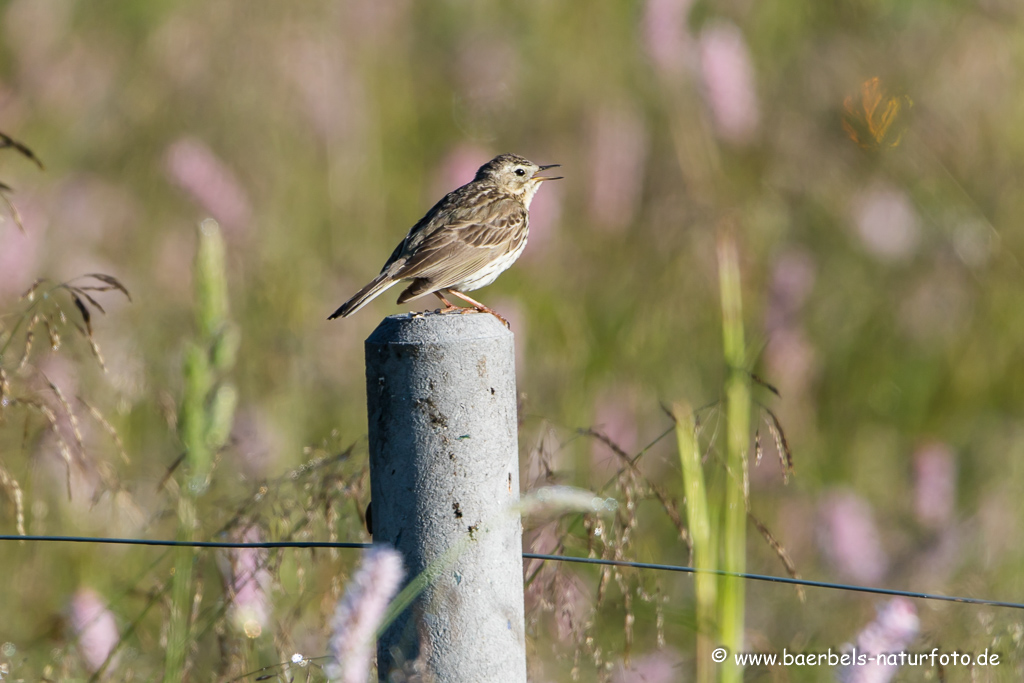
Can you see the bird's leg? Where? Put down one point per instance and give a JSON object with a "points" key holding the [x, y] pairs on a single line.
{"points": [[479, 306], [448, 307]]}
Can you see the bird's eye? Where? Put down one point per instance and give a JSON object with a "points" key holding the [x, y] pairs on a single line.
{"points": [[520, 172]]}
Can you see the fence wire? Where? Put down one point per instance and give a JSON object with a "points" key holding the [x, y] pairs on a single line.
{"points": [[530, 556]]}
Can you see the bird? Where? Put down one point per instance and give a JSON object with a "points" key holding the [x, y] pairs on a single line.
{"points": [[465, 241]]}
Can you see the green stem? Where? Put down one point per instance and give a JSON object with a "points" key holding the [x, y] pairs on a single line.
{"points": [[204, 426], [737, 409], [181, 593], [699, 523]]}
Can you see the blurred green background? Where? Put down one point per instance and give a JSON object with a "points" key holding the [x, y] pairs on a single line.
{"points": [[881, 264]]}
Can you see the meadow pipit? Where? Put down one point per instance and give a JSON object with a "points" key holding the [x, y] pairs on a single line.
{"points": [[469, 238]]}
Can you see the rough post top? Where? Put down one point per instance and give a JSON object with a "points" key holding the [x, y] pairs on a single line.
{"points": [[437, 328]]}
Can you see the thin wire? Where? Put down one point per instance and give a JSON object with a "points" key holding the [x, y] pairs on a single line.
{"points": [[776, 579], [534, 556]]}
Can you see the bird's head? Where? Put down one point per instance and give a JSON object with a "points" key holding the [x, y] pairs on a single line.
{"points": [[515, 175]]}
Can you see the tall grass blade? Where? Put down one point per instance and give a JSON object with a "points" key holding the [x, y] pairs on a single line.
{"points": [[737, 411], [699, 520]]}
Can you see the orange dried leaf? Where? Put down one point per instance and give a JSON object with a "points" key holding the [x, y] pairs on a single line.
{"points": [[874, 119]]}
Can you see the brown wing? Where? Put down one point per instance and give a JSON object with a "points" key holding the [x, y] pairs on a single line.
{"points": [[457, 249], [458, 206]]}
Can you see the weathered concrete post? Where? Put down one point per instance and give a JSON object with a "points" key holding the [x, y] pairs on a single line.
{"points": [[444, 470]]}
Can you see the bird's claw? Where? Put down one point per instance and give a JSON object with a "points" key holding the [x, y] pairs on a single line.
{"points": [[496, 315]]}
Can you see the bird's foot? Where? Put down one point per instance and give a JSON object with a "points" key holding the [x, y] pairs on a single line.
{"points": [[448, 306], [484, 309], [477, 306]]}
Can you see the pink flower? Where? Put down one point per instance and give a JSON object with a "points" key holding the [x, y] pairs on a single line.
{"points": [[248, 583], [728, 77], [360, 612], [193, 167], [934, 485], [849, 537], [887, 222], [666, 36], [94, 627], [893, 630], [618, 152]]}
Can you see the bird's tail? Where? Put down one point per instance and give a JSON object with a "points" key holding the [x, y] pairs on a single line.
{"points": [[365, 295]]}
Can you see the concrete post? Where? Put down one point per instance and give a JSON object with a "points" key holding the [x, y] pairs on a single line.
{"points": [[444, 470]]}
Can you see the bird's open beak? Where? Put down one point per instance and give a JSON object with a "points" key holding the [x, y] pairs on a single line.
{"points": [[544, 168]]}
